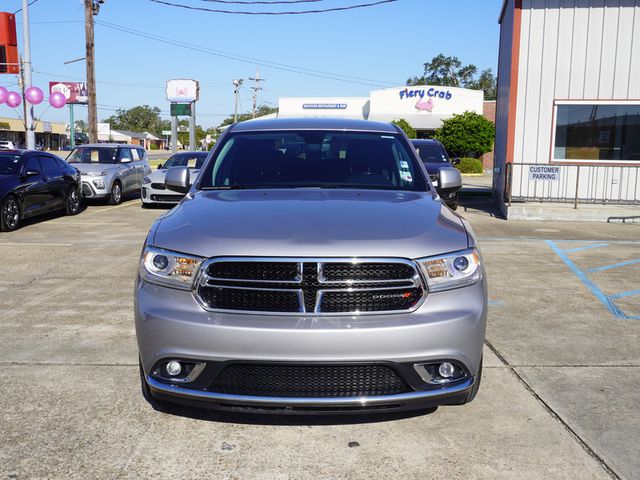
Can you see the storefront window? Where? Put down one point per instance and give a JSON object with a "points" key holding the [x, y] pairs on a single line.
{"points": [[597, 132]]}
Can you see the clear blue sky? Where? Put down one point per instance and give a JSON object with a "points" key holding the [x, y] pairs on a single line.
{"points": [[386, 44]]}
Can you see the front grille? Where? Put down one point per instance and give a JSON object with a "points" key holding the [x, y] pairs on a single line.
{"points": [[158, 186], [307, 286], [167, 198], [309, 380], [86, 190]]}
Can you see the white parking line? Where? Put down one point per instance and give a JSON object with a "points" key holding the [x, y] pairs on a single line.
{"points": [[127, 204]]}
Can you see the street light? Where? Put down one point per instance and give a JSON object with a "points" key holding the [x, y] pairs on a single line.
{"points": [[237, 83]]}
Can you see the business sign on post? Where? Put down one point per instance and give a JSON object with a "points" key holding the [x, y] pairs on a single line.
{"points": [[183, 91], [74, 92]]}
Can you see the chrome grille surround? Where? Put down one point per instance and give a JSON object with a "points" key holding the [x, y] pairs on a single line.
{"points": [[324, 286]]}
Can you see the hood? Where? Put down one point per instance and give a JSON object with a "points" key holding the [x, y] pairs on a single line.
{"points": [[158, 176], [94, 167], [310, 223]]}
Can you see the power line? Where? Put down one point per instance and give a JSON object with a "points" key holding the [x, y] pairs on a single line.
{"points": [[255, 61], [262, 2], [300, 12], [31, 3]]}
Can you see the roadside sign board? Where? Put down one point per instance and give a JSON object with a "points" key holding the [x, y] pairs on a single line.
{"points": [[74, 92], [166, 132], [183, 91], [181, 109]]}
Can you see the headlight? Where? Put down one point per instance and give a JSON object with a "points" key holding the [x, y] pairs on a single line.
{"points": [[171, 269], [146, 180], [453, 270], [97, 174]]}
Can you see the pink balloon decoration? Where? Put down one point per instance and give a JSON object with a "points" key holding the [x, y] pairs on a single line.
{"points": [[14, 99], [34, 95], [4, 93], [57, 100]]}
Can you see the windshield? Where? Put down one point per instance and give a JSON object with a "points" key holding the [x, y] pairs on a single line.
{"points": [[290, 159], [9, 164], [191, 160], [432, 153], [93, 155]]}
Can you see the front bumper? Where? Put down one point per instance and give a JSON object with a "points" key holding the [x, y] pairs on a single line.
{"points": [[92, 190], [152, 195], [448, 326]]}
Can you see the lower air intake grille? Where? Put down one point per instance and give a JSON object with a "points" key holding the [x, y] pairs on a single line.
{"points": [[309, 380]]}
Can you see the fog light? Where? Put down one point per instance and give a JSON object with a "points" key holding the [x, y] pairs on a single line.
{"points": [[446, 370], [173, 368]]}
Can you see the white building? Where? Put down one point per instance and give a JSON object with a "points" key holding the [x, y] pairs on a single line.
{"points": [[424, 107], [568, 109]]}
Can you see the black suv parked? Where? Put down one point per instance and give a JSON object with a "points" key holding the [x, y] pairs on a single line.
{"points": [[434, 157], [32, 183]]}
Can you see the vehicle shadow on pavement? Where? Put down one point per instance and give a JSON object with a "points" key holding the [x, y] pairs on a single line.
{"points": [[292, 419], [483, 204]]}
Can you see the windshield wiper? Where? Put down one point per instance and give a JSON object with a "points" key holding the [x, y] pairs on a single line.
{"points": [[229, 187]]}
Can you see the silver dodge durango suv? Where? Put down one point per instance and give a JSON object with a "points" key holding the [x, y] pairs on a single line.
{"points": [[312, 267]]}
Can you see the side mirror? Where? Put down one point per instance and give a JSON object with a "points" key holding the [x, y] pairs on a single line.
{"points": [[177, 179], [31, 173], [449, 181], [125, 160], [455, 161], [160, 166]]}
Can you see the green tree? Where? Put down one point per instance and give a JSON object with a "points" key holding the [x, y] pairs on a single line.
{"points": [[486, 82], [404, 125], [142, 118], [261, 112], [449, 72], [81, 126], [468, 134], [445, 71]]}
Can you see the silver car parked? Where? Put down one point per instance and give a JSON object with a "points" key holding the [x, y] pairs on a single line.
{"points": [[154, 191], [311, 268], [110, 171]]}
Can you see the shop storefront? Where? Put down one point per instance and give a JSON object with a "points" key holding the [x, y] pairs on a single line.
{"points": [[424, 107], [568, 108], [49, 135]]}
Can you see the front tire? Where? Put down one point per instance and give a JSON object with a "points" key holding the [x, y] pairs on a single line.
{"points": [[476, 385], [115, 197], [10, 214], [156, 404], [72, 201]]}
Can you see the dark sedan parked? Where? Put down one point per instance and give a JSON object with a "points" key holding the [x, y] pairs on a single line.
{"points": [[32, 183], [434, 157]]}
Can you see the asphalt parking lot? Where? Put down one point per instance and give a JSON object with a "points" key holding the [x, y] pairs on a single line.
{"points": [[559, 398]]}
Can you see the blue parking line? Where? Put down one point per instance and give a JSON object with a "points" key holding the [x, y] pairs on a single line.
{"points": [[496, 303], [625, 294], [613, 265], [578, 249], [595, 290]]}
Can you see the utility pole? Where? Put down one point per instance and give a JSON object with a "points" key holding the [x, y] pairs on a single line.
{"points": [[256, 88], [30, 135], [91, 8], [236, 89]]}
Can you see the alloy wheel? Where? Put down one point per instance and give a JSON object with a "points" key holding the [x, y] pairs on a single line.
{"points": [[11, 214]]}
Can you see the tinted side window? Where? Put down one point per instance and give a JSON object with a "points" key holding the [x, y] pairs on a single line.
{"points": [[48, 163], [33, 163], [142, 153], [61, 163], [125, 153]]}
